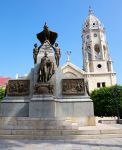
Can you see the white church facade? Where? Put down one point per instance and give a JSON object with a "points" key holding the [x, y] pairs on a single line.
{"points": [[97, 64]]}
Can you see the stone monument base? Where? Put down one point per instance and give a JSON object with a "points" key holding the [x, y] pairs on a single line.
{"points": [[77, 108], [15, 106], [42, 106], [47, 106]]}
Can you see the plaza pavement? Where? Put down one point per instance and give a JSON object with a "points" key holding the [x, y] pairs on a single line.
{"points": [[98, 143], [84, 144]]}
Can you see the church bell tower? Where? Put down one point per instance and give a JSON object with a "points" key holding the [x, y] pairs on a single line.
{"points": [[96, 58]]}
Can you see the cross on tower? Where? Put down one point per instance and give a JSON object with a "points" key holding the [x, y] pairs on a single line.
{"points": [[90, 10]]}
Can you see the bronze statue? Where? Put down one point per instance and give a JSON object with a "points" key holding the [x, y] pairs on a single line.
{"points": [[43, 68], [46, 68], [50, 69], [35, 53], [57, 54]]}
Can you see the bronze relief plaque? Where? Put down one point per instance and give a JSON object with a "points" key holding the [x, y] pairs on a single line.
{"points": [[43, 88], [73, 87], [18, 87]]}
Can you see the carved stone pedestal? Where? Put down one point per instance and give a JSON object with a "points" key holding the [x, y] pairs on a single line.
{"points": [[42, 106]]}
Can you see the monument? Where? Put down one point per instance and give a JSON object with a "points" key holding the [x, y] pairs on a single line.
{"points": [[47, 92]]}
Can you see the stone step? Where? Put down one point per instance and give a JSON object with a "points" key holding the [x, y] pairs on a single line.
{"points": [[44, 128], [63, 137], [59, 132], [41, 127], [36, 123], [39, 123], [26, 120]]}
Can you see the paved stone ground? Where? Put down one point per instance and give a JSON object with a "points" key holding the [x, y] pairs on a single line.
{"points": [[85, 144]]}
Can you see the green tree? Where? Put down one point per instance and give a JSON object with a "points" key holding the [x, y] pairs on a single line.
{"points": [[2, 93], [107, 101]]}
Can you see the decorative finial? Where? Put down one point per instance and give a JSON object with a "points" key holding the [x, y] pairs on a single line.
{"points": [[68, 53], [45, 25], [90, 10]]}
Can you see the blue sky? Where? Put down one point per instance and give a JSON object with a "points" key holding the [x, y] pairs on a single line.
{"points": [[21, 20]]}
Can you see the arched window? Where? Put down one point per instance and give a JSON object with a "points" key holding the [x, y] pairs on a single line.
{"points": [[105, 52], [89, 52], [97, 52]]}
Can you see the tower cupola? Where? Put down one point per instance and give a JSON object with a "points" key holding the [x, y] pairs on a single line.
{"points": [[92, 22]]}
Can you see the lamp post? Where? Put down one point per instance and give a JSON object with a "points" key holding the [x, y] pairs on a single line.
{"points": [[116, 93]]}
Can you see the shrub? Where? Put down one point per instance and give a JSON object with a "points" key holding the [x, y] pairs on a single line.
{"points": [[107, 100], [2, 93]]}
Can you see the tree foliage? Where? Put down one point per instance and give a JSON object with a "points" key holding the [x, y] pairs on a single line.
{"points": [[107, 100], [2, 93]]}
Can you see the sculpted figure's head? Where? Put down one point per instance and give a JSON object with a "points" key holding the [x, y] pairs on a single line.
{"points": [[35, 45], [56, 44]]}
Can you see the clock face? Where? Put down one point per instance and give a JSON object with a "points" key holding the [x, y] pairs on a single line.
{"points": [[99, 66]]}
